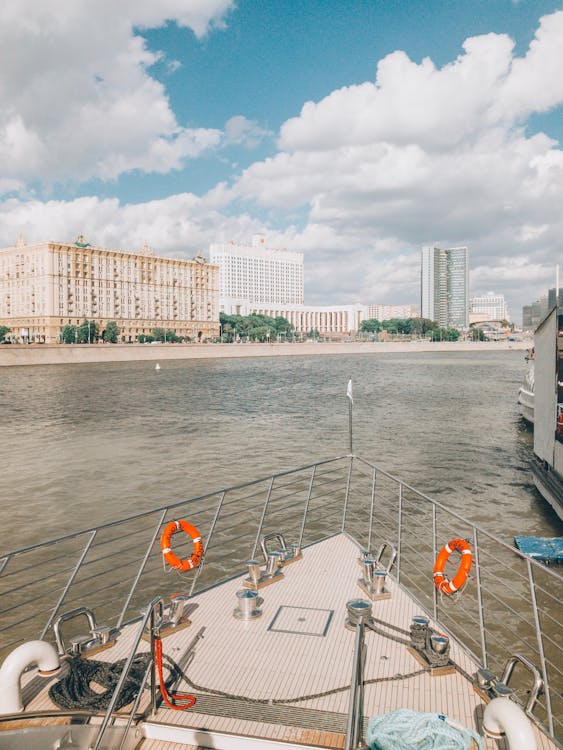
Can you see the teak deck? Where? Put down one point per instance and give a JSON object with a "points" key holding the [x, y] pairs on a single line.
{"points": [[298, 647]]}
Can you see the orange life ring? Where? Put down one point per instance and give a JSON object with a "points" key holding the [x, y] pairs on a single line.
{"points": [[442, 583], [170, 557]]}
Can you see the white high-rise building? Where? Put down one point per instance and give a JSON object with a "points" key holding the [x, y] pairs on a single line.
{"points": [[256, 275], [445, 285], [489, 306]]}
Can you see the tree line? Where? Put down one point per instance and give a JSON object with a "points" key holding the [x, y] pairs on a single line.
{"points": [[418, 327], [254, 327]]}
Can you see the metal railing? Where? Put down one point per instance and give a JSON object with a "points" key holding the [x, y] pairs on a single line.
{"points": [[511, 604]]}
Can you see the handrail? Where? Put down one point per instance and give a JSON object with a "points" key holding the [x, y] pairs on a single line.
{"points": [[149, 614], [463, 520], [177, 504]]}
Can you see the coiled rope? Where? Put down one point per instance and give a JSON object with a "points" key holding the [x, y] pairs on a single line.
{"points": [[74, 691], [411, 730]]}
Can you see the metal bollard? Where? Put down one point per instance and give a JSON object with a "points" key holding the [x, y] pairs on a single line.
{"points": [[177, 602], [246, 605], [368, 565], [379, 581], [254, 571]]}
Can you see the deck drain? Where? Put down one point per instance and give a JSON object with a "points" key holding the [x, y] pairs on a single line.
{"points": [[301, 620]]}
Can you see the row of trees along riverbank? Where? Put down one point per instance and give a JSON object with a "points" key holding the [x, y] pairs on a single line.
{"points": [[419, 327]]}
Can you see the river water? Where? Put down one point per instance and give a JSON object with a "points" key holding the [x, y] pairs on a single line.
{"points": [[84, 444]]}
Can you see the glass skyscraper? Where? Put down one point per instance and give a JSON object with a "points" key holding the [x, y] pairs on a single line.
{"points": [[445, 285]]}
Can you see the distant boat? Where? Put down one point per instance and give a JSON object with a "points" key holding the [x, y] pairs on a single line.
{"points": [[157, 366], [526, 394]]}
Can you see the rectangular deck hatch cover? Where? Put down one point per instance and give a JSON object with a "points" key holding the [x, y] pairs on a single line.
{"points": [[301, 620]]}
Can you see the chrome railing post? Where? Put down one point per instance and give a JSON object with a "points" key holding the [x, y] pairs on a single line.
{"points": [[68, 585], [307, 501], [141, 568], [372, 504], [540, 648], [264, 509], [347, 493], [480, 598], [399, 532], [207, 542], [356, 706], [3, 562], [435, 552], [149, 614]]}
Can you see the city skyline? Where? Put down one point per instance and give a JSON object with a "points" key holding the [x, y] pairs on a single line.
{"points": [[352, 137]]}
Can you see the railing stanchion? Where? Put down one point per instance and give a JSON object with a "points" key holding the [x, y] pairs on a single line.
{"points": [[399, 532], [435, 553], [264, 509], [140, 571], [207, 542], [347, 493], [306, 511], [372, 503], [3, 562], [540, 648], [68, 584], [480, 598]]}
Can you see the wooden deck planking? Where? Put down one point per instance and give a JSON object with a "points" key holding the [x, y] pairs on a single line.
{"points": [[246, 659]]}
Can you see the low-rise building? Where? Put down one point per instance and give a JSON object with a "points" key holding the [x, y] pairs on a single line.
{"points": [[326, 320], [489, 306], [47, 285], [390, 312]]}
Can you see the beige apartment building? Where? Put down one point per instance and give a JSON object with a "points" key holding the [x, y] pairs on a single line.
{"points": [[47, 285]]}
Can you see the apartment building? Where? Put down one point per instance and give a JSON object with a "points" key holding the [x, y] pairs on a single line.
{"points": [[47, 285]]}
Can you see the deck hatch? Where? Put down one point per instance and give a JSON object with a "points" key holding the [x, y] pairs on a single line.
{"points": [[301, 620]]}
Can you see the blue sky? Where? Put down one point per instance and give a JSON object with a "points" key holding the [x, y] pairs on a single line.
{"points": [[353, 132]]}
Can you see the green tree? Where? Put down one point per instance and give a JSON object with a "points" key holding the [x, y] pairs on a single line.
{"points": [[87, 332], [372, 325], [3, 331], [69, 334], [476, 334], [172, 337], [422, 326], [111, 334]]}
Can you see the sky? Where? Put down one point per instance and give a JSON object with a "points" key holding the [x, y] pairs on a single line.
{"points": [[353, 131]]}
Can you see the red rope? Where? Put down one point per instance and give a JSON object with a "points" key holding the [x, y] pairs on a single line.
{"points": [[182, 701]]}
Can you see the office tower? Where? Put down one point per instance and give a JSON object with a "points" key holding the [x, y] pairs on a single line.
{"points": [[445, 285], [251, 275]]}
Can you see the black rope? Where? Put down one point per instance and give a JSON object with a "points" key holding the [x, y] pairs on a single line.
{"points": [[74, 690]]}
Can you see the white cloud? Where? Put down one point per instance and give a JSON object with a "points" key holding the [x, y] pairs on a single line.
{"points": [[240, 130], [425, 153], [180, 226], [372, 171], [76, 98]]}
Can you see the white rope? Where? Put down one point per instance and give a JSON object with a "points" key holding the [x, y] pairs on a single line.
{"points": [[411, 730]]}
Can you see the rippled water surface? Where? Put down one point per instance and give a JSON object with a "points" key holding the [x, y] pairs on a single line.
{"points": [[83, 444]]}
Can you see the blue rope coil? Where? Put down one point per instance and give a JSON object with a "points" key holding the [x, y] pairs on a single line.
{"points": [[410, 730]]}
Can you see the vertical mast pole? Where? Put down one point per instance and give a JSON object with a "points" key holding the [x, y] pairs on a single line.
{"points": [[350, 403]]}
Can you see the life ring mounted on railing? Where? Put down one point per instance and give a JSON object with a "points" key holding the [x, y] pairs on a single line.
{"points": [[443, 584], [175, 562]]}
